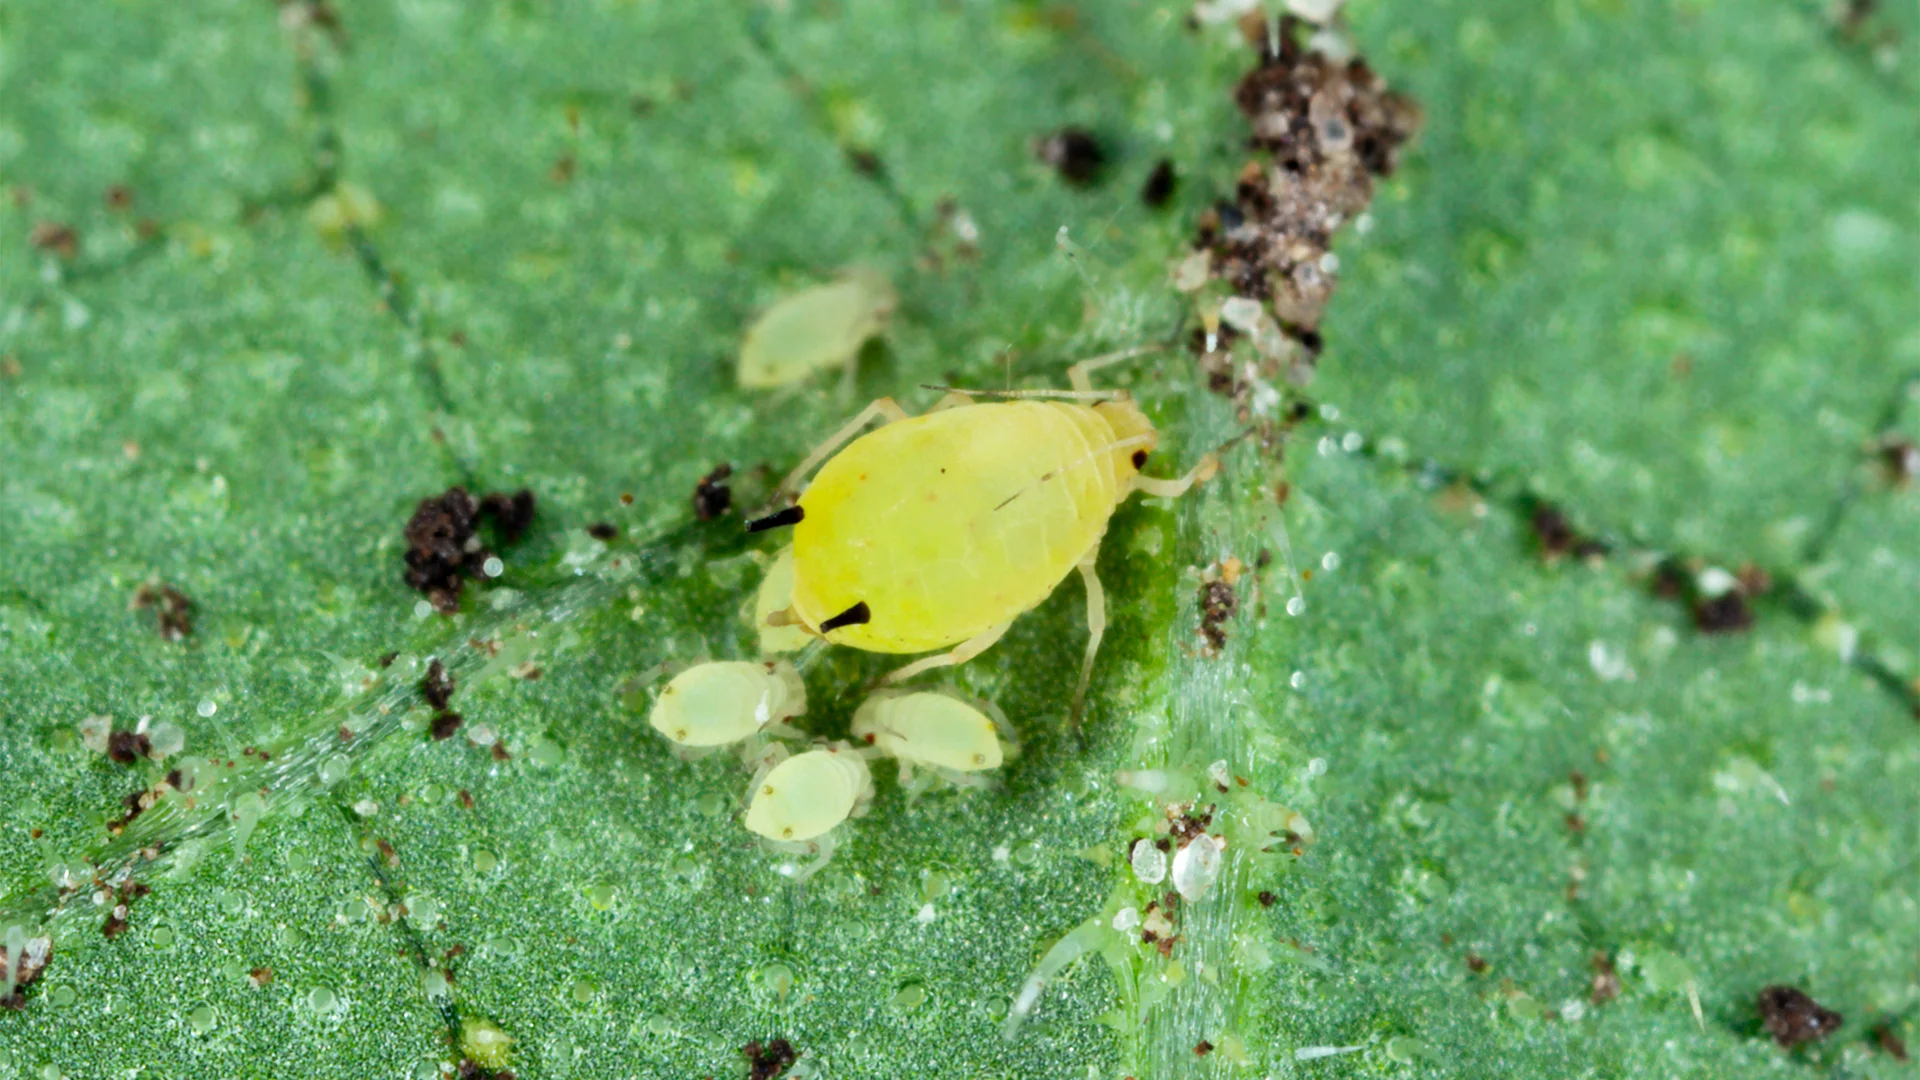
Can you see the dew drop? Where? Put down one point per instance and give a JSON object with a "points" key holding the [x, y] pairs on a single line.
{"points": [[583, 991], [659, 1026], [321, 1000], [231, 901], [908, 998], [547, 753], [433, 794], [201, 1019], [168, 740], [1330, 561], [1298, 680], [712, 804], [335, 769], [161, 936], [493, 567], [601, 896], [485, 861], [773, 982], [1297, 605], [206, 707], [422, 610], [62, 996]]}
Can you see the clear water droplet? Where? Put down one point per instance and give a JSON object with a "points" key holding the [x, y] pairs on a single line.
{"points": [[206, 707], [1297, 605], [201, 1018], [335, 769], [485, 861], [908, 997], [321, 1000]]}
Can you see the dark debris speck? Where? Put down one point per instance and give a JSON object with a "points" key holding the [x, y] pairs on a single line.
{"points": [[766, 1061], [711, 496], [1074, 153], [438, 686], [127, 747], [1792, 1017], [443, 545], [603, 530], [1160, 184], [172, 607], [444, 725], [1218, 602]]}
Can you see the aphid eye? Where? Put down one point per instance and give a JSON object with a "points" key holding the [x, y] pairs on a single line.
{"points": [[1139, 458]]}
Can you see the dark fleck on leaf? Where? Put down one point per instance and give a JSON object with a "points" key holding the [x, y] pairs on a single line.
{"points": [[1160, 184], [127, 747], [1890, 1041], [1202, 1048], [26, 968], [601, 530], [1793, 1018], [1074, 153], [1727, 613], [769, 1060], [53, 236], [445, 725], [118, 197], [1606, 981], [1477, 963], [1267, 899], [1218, 602], [711, 496], [173, 607], [512, 514], [437, 688]]}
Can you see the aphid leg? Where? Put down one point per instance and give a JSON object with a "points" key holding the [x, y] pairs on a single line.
{"points": [[1077, 375], [961, 653], [883, 408], [1173, 489], [1096, 629]]}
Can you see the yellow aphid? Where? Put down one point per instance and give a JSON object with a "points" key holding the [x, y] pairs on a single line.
{"points": [[937, 531], [808, 794], [815, 328], [776, 592], [724, 702], [929, 729]]}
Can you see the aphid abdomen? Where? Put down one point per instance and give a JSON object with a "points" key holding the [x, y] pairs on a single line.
{"points": [[951, 523]]}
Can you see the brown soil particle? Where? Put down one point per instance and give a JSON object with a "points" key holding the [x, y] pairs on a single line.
{"points": [[444, 725], [53, 236], [1160, 185], [1793, 1018], [437, 687], [127, 747], [1074, 153], [173, 608], [1326, 128], [26, 968], [1218, 602], [443, 545], [1890, 1042], [711, 496], [769, 1060]]}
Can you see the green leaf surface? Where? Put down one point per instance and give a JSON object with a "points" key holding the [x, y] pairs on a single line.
{"points": [[1650, 263]]}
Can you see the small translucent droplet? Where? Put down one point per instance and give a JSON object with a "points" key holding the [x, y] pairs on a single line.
{"points": [[62, 996], [1298, 681], [231, 901], [773, 982], [485, 861], [335, 769], [1317, 767], [321, 1000], [366, 807], [712, 804], [433, 794], [1330, 561], [1126, 919], [168, 740], [422, 609], [493, 567], [908, 997], [659, 1026], [547, 753], [1028, 854], [1297, 605], [201, 1019], [925, 915], [1196, 867], [1149, 862], [1352, 442], [206, 707], [161, 936], [583, 991], [601, 896]]}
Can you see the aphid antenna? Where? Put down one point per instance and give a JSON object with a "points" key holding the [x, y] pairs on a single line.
{"points": [[1065, 395]]}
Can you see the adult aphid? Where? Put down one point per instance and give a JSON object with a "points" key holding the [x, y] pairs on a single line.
{"points": [[935, 532]]}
